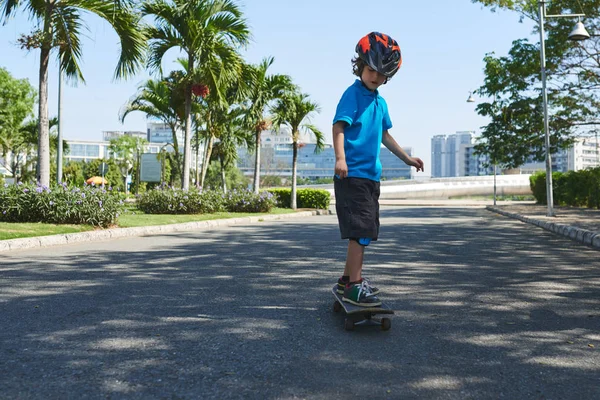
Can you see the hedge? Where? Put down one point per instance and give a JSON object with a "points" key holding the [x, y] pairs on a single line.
{"points": [[572, 188], [305, 198]]}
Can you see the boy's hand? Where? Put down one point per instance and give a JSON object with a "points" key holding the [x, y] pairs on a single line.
{"points": [[341, 169], [417, 163]]}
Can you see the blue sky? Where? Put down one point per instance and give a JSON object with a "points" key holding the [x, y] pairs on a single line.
{"points": [[443, 43]]}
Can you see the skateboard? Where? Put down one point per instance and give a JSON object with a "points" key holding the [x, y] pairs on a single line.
{"points": [[361, 316]]}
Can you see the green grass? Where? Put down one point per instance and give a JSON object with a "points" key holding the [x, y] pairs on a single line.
{"points": [[11, 230], [130, 218]]}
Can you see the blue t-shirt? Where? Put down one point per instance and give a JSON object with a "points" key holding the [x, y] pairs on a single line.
{"points": [[367, 116]]}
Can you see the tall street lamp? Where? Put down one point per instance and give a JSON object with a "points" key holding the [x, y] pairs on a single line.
{"points": [[578, 33]]}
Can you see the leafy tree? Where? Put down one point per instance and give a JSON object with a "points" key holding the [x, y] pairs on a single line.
{"points": [[60, 24], [125, 149], [204, 30], [295, 111], [263, 90], [232, 136], [272, 181], [516, 133], [17, 98], [73, 173], [233, 177]]}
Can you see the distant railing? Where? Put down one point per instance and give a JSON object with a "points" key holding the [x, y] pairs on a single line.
{"points": [[441, 188]]}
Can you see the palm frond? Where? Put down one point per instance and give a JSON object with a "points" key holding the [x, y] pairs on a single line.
{"points": [[162, 40], [8, 9], [68, 25]]}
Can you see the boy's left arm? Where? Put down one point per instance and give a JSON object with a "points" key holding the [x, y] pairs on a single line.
{"points": [[389, 142]]}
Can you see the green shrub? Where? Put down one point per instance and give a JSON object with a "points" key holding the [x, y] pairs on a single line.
{"points": [[305, 198], [245, 201], [169, 200], [282, 196], [60, 204], [574, 188], [593, 188], [560, 188], [313, 198], [537, 183]]}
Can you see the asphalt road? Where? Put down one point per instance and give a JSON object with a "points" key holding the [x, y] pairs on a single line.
{"points": [[486, 308]]}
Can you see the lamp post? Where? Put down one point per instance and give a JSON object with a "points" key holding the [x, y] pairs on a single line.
{"points": [[59, 152], [578, 33]]}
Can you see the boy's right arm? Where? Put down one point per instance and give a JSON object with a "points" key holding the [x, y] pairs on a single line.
{"points": [[341, 168]]}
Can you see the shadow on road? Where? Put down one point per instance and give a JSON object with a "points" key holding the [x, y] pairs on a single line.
{"points": [[487, 307]]}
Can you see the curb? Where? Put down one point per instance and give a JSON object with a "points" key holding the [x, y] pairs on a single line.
{"points": [[114, 233], [583, 236]]}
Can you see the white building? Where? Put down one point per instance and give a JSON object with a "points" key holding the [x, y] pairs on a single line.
{"points": [[159, 132], [452, 156], [109, 135], [449, 154]]}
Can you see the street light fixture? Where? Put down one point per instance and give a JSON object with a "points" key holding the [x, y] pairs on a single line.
{"points": [[470, 99], [578, 33]]}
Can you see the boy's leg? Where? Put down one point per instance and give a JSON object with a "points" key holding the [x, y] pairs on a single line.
{"points": [[354, 260]]}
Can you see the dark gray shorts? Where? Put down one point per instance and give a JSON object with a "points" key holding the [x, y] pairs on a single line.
{"points": [[357, 207]]}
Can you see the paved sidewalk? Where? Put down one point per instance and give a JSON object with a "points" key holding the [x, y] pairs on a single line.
{"points": [[579, 224]]}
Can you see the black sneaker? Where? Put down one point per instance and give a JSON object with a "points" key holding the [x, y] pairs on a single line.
{"points": [[360, 295], [341, 285]]}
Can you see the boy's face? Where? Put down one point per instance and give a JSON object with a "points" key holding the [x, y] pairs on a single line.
{"points": [[371, 78]]}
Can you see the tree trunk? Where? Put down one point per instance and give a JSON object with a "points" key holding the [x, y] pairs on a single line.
{"points": [[223, 176], [209, 147], [257, 162], [206, 143], [43, 169], [175, 166], [197, 160], [204, 166], [294, 166], [185, 183]]}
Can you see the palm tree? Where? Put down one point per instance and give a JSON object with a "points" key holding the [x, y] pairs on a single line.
{"points": [[264, 89], [23, 144], [223, 85], [156, 99], [231, 136], [203, 29], [295, 110], [61, 23]]}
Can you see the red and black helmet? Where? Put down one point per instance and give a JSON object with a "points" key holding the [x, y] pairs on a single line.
{"points": [[380, 52]]}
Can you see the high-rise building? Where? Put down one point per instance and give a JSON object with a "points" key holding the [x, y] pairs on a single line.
{"points": [[452, 155], [449, 154]]}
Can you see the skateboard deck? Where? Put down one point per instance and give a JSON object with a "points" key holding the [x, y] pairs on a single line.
{"points": [[359, 316]]}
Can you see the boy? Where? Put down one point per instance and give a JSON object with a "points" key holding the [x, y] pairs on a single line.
{"points": [[360, 126]]}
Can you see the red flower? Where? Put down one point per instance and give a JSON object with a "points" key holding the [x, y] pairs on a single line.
{"points": [[200, 90]]}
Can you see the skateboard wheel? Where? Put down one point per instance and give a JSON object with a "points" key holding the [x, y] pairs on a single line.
{"points": [[337, 307], [386, 324], [349, 324]]}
